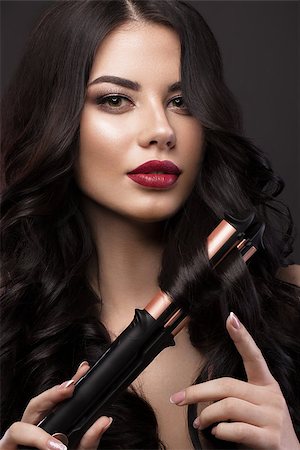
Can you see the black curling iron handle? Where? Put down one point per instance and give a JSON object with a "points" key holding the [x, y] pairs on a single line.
{"points": [[162, 340], [76, 429], [77, 416], [240, 226], [90, 389]]}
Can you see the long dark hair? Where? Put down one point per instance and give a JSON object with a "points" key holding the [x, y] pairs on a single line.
{"points": [[49, 312]]}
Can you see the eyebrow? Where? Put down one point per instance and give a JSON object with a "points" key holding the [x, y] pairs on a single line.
{"points": [[135, 86]]}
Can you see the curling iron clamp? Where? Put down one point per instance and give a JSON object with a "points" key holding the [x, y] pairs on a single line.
{"points": [[151, 330]]}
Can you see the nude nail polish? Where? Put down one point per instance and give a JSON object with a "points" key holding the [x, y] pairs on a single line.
{"points": [[235, 321], [177, 397], [66, 384], [196, 423], [55, 445], [109, 424], [84, 363]]}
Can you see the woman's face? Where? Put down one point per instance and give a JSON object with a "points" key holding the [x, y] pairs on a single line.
{"points": [[127, 123]]}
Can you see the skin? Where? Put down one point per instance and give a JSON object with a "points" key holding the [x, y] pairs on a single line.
{"points": [[290, 274], [126, 222], [125, 218], [256, 410], [148, 125], [26, 433]]}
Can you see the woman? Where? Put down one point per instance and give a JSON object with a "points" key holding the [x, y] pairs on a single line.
{"points": [[103, 88]]}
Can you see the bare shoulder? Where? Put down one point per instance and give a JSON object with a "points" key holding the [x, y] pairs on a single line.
{"points": [[290, 274]]}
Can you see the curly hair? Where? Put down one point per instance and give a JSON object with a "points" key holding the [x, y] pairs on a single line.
{"points": [[50, 314]]}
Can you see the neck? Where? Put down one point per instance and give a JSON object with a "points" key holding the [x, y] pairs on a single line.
{"points": [[125, 265]]}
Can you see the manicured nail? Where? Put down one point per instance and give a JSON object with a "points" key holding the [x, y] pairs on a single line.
{"points": [[66, 384], [177, 397], [53, 444], [196, 423], [84, 363], [235, 321], [108, 424]]}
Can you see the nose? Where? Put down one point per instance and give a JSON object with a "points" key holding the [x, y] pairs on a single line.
{"points": [[157, 131]]}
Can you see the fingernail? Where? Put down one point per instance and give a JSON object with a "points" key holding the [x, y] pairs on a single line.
{"points": [[84, 363], [177, 397], [214, 430], [234, 321], [196, 423], [66, 384], [108, 424], [55, 445]]}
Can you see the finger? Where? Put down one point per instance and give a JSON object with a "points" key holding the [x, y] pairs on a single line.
{"points": [[29, 435], [42, 404], [230, 409], [92, 437], [241, 433], [218, 389], [81, 371], [255, 365]]}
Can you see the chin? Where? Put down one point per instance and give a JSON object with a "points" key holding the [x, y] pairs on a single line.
{"points": [[151, 219], [153, 216]]}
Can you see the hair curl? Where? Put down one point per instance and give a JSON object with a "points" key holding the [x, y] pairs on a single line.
{"points": [[47, 327]]}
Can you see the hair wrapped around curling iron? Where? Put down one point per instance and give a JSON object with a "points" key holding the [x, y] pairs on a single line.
{"points": [[151, 330]]}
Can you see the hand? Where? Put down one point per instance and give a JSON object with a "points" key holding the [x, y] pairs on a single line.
{"points": [[256, 410], [27, 433]]}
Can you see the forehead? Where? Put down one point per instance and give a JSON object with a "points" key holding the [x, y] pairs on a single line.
{"points": [[140, 51]]}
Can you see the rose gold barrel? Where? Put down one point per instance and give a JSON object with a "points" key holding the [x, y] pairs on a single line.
{"points": [[172, 319], [180, 326], [159, 303], [241, 244], [215, 241], [218, 237], [249, 253]]}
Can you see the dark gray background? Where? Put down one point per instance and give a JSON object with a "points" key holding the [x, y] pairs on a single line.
{"points": [[259, 43]]}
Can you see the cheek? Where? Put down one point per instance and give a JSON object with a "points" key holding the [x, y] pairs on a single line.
{"points": [[103, 142], [193, 144], [193, 155], [96, 135]]}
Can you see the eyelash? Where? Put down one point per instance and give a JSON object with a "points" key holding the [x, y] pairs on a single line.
{"points": [[102, 99]]}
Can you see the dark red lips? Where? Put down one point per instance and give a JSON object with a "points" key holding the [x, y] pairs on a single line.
{"points": [[144, 175]]}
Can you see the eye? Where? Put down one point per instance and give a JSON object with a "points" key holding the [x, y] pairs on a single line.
{"points": [[112, 101], [178, 102]]}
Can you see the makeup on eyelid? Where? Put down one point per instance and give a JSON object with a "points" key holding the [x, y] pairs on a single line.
{"points": [[104, 101], [105, 97]]}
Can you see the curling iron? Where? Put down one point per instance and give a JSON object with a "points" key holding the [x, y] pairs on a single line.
{"points": [[151, 330]]}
